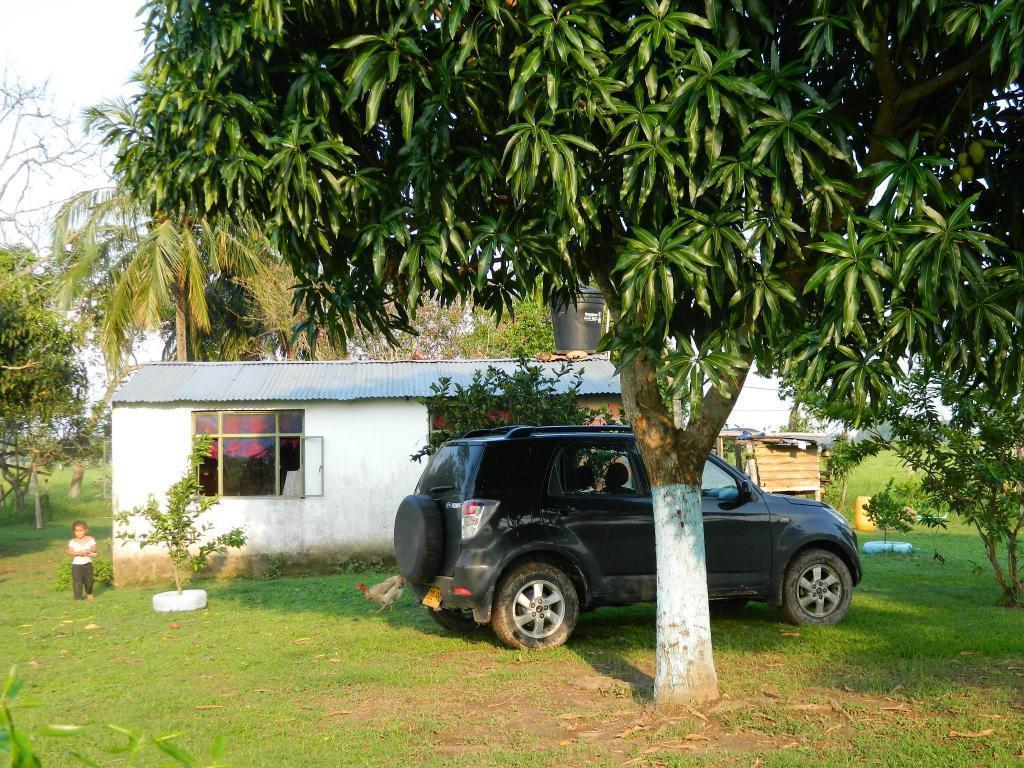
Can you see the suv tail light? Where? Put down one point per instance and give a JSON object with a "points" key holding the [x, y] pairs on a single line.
{"points": [[474, 514]]}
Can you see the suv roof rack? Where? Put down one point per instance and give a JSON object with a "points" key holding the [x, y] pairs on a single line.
{"points": [[525, 431], [494, 430]]}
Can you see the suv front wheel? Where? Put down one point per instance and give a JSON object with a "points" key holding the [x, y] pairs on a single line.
{"points": [[817, 588], [535, 607]]}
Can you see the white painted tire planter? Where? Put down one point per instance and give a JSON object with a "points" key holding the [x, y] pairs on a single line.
{"points": [[188, 600], [876, 547]]}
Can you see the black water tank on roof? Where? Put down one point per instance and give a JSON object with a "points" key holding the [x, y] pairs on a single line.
{"points": [[579, 327]]}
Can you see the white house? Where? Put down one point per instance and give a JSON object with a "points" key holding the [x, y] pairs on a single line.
{"points": [[312, 458]]}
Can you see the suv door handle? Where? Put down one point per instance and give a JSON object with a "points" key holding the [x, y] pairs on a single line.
{"points": [[783, 520]]}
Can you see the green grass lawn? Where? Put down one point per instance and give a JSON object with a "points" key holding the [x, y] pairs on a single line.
{"points": [[304, 672]]}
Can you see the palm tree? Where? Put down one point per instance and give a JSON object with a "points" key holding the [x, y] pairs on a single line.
{"points": [[132, 264], [134, 268]]}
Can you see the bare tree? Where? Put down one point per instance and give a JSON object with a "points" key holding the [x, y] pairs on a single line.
{"points": [[38, 146]]}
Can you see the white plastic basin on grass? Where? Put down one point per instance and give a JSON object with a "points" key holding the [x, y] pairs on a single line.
{"points": [[876, 547], [188, 600]]}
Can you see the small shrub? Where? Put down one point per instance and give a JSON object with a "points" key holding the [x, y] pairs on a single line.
{"points": [[494, 398], [176, 529], [888, 510], [275, 568], [102, 573]]}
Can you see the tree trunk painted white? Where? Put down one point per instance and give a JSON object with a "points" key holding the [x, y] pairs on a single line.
{"points": [[685, 672]]}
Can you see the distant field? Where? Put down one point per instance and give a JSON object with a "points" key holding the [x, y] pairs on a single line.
{"points": [[92, 502], [867, 479], [925, 671]]}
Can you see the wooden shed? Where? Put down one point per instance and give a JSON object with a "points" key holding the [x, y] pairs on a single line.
{"points": [[780, 462]]}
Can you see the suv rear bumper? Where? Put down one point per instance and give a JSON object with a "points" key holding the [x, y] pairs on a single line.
{"points": [[474, 579]]}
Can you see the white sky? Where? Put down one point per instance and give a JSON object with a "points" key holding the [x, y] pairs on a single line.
{"points": [[86, 49], [84, 53]]}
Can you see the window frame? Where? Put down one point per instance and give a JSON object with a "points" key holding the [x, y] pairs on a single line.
{"points": [[554, 474], [219, 435]]}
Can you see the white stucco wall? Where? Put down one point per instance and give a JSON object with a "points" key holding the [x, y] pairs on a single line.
{"points": [[367, 472]]}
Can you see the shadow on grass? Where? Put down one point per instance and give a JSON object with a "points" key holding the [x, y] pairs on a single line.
{"points": [[892, 637]]}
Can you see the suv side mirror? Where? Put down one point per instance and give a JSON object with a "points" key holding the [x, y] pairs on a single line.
{"points": [[746, 491]]}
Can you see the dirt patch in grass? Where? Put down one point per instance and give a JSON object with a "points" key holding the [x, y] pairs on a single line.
{"points": [[604, 714]]}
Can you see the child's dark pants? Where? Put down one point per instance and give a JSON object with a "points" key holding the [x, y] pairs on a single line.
{"points": [[81, 578]]}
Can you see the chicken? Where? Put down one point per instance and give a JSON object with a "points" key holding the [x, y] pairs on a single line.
{"points": [[385, 594]]}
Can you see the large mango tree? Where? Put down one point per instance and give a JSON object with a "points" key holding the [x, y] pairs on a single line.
{"points": [[828, 189]]}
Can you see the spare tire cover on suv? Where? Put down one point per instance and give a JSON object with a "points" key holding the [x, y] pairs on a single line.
{"points": [[419, 538]]}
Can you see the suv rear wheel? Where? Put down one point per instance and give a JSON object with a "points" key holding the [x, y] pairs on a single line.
{"points": [[817, 588], [535, 607]]}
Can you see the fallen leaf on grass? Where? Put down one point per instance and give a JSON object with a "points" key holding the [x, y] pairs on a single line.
{"points": [[302, 640], [970, 734], [209, 706], [967, 653], [790, 634], [91, 626], [175, 625], [565, 742], [335, 661], [695, 737], [339, 712], [33, 663], [790, 745], [68, 621]]}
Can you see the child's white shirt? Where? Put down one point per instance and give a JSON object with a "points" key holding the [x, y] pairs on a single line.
{"points": [[84, 544]]}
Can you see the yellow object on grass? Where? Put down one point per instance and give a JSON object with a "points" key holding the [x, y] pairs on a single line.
{"points": [[861, 521]]}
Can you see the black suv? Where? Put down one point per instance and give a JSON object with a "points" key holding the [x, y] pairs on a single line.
{"points": [[523, 527]]}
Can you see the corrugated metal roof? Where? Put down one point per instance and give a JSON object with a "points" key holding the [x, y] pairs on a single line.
{"points": [[329, 380]]}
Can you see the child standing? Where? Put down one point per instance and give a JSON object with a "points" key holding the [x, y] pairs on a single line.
{"points": [[82, 549]]}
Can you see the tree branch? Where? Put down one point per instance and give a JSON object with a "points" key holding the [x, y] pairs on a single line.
{"points": [[888, 80], [947, 78]]}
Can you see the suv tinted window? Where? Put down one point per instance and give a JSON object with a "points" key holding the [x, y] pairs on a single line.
{"points": [[453, 466], [593, 469], [504, 468]]}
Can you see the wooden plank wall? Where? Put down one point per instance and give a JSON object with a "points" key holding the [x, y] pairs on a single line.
{"points": [[787, 469]]}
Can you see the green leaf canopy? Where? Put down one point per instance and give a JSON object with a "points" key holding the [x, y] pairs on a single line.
{"points": [[826, 187]]}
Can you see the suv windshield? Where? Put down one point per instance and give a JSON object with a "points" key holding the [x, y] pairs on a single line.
{"points": [[451, 468]]}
